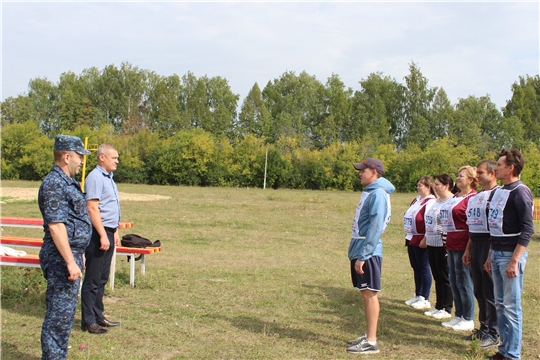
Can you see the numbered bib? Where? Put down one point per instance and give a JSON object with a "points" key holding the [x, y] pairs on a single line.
{"points": [[447, 220], [430, 218], [477, 209], [496, 212], [409, 223]]}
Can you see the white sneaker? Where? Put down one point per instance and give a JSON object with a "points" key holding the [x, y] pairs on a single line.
{"points": [[452, 322], [431, 312], [413, 300], [441, 314], [464, 325], [421, 304]]}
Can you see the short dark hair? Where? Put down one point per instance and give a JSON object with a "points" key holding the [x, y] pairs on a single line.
{"points": [[490, 165], [513, 157], [446, 180]]}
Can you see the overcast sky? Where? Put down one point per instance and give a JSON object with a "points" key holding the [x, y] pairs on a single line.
{"points": [[466, 48]]}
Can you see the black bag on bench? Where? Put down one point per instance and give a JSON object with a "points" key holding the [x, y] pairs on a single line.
{"points": [[137, 241]]}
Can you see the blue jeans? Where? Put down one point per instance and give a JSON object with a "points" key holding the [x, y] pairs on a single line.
{"points": [[507, 293], [418, 258], [461, 284]]}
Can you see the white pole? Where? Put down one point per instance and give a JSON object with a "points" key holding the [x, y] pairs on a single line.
{"points": [[265, 166]]}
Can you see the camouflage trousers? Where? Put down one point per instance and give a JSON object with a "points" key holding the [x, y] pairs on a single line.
{"points": [[61, 298]]}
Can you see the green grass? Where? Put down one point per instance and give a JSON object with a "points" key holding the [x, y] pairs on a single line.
{"points": [[246, 274]]}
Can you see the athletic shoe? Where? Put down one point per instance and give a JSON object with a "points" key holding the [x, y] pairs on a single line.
{"points": [[464, 325], [357, 340], [421, 304], [451, 323], [476, 334], [364, 348], [488, 341], [413, 300], [441, 314], [498, 356], [431, 312]]}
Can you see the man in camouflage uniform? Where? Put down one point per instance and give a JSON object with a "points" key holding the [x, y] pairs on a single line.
{"points": [[67, 230]]}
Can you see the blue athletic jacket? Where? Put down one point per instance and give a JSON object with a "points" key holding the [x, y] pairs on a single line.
{"points": [[373, 218]]}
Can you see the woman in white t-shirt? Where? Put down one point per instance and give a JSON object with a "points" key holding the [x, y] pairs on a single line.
{"points": [[434, 241], [414, 226]]}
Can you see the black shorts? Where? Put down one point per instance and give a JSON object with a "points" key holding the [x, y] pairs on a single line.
{"points": [[371, 278]]}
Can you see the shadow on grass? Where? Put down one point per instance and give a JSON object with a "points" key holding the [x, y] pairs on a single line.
{"points": [[399, 324], [10, 352], [271, 329]]}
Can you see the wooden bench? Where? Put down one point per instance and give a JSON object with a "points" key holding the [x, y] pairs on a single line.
{"points": [[38, 222], [27, 260], [132, 253]]}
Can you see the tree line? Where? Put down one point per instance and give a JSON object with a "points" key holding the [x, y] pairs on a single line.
{"points": [[191, 130]]}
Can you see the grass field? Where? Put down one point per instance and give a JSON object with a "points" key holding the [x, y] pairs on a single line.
{"points": [[246, 274]]}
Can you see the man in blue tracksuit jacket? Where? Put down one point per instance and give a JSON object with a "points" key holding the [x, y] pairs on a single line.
{"points": [[365, 250]]}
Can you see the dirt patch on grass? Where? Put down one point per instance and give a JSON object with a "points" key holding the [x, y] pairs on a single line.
{"points": [[10, 194], [141, 197]]}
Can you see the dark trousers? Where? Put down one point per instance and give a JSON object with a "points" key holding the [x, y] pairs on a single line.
{"points": [[483, 288], [98, 267], [418, 258], [439, 269]]}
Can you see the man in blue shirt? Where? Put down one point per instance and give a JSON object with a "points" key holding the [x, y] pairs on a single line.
{"points": [[67, 230], [104, 209]]}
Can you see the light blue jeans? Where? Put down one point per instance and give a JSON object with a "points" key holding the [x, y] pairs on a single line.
{"points": [[461, 284], [507, 293]]}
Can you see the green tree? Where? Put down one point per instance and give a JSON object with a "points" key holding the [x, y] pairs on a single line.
{"points": [[26, 152], [295, 105], [182, 159], [222, 103], [478, 124], [166, 110], [376, 110], [414, 127], [254, 117], [337, 110], [43, 95], [248, 160], [441, 115], [525, 105], [16, 110], [221, 166], [442, 156], [72, 110], [120, 95], [197, 110], [530, 174]]}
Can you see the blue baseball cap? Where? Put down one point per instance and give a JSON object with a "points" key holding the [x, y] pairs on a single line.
{"points": [[70, 143]]}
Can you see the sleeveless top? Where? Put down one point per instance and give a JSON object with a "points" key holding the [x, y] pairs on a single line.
{"points": [[477, 210], [447, 220], [496, 210], [433, 224], [409, 219]]}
